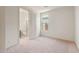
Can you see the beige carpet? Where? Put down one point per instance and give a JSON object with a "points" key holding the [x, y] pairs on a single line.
{"points": [[43, 45]]}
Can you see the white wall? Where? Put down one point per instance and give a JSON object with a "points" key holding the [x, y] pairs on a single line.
{"points": [[32, 25], [37, 24], [77, 25], [61, 23], [11, 26]]}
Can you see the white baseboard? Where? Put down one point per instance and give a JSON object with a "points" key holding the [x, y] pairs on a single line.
{"points": [[58, 38]]}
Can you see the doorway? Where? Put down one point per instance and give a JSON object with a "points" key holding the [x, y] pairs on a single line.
{"points": [[23, 24]]}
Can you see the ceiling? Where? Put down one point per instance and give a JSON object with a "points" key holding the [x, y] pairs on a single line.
{"points": [[42, 8]]}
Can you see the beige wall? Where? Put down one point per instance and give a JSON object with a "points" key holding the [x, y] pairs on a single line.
{"points": [[2, 29], [77, 26], [11, 26], [61, 23], [9, 34]]}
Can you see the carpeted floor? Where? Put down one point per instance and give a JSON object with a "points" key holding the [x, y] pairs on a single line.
{"points": [[43, 45]]}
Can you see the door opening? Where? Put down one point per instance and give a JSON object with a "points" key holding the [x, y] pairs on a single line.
{"points": [[23, 24]]}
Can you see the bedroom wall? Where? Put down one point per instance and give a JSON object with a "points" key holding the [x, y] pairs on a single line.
{"points": [[32, 25], [11, 26], [9, 34], [2, 29], [38, 24], [61, 23], [77, 26]]}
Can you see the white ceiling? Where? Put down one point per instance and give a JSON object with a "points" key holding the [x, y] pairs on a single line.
{"points": [[42, 8]]}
